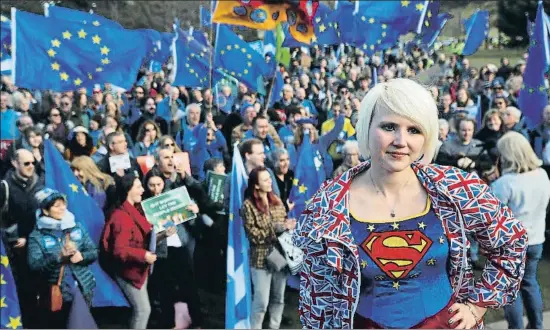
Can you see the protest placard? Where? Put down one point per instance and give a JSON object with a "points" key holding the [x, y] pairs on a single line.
{"points": [[215, 183], [168, 209]]}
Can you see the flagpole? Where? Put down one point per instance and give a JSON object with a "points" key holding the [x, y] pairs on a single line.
{"points": [[271, 89], [210, 38]]}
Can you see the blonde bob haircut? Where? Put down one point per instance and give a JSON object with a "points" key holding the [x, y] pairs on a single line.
{"points": [[516, 154], [404, 98]]}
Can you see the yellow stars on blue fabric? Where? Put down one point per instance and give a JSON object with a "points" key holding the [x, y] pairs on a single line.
{"points": [[74, 187], [395, 226], [67, 36], [363, 264], [370, 228], [421, 225], [396, 285], [15, 323], [302, 189], [4, 261], [431, 262]]}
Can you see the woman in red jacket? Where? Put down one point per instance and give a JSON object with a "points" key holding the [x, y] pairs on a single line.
{"points": [[126, 240]]}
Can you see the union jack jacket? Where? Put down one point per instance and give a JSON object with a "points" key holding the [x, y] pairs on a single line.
{"points": [[331, 275]]}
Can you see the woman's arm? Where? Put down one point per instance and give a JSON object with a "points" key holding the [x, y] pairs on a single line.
{"points": [[40, 261], [502, 237], [258, 232], [122, 234]]}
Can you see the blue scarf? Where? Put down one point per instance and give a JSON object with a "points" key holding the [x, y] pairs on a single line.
{"points": [[45, 222]]}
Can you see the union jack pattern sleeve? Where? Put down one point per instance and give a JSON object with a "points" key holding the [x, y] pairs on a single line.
{"points": [[498, 232]]}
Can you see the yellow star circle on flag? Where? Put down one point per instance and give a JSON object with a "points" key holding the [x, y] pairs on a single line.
{"points": [[105, 50], [105, 61], [56, 43], [3, 302], [95, 23], [74, 187], [67, 35], [4, 261], [82, 34], [322, 28], [15, 322], [77, 82], [419, 6], [405, 3], [371, 20], [96, 39], [51, 52], [302, 189], [2, 281], [64, 76]]}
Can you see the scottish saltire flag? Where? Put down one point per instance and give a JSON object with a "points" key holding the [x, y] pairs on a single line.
{"points": [[265, 15], [308, 177], [79, 16], [239, 291], [5, 48], [477, 30], [234, 57], [191, 66], [533, 96], [62, 55], [205, 17], [10, 314], [60, 177]]}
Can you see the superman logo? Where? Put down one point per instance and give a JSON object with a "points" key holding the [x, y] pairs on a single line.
{"points": [[397, 252]]}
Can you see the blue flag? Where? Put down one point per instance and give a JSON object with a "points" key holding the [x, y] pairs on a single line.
{"points": [[533, 96], [191, 61], [402, 16], [205, 17], [78, 16], [10, 314], [238, 299], [477, 30], [5, 48], [326, 32], [428, 37], [62, 55], [234, 56], [308, 177], [60, 177], [276, 89]]}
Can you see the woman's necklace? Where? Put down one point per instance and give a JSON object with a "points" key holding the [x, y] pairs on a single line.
{"points": [[378, 191]]}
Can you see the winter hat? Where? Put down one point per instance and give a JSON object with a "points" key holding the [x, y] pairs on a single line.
{"points": [[47, 196]]}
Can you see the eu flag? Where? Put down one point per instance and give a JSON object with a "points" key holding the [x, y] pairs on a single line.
{"points": [[325, 29], [276, 89], [205, 17], [235, 57], [238, 294], [5, 48], [62, 55], [78, 16], [533, 96], [427, 38], [191, 61], [477, 29], [308, 177], [10, 314], [60, 177]]}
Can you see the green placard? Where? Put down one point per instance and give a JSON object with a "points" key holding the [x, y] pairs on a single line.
{"points": [[168, 207], [216, 184]]}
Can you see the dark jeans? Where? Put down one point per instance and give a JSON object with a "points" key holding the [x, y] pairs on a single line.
{"points": [[530, 295]]}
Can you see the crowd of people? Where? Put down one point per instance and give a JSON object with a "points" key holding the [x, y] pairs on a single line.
{"points": [[320, 101]]}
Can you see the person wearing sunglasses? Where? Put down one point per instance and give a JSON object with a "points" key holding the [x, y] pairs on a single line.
{"points": [[167, 142], [18, 220]]}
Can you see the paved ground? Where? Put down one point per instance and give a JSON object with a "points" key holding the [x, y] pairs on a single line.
{"points": [[504, 325]]}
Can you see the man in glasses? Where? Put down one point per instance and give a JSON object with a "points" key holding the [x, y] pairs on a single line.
{"points": [[18, 220]]}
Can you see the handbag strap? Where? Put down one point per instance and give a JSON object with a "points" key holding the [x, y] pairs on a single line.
{"points": [[67, 236]]}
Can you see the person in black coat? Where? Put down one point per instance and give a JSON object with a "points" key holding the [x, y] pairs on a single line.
{"points": [[149, 112]]}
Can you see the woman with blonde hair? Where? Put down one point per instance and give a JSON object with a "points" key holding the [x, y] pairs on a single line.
{"points": [[166, 141], [100, 186], [385, 244], [525, 188]]}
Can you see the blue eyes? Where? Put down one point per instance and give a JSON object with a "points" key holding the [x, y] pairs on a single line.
{"points": [[392, 127]]}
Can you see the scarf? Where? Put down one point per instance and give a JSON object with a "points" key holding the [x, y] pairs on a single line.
{"points": [[45, 222]]}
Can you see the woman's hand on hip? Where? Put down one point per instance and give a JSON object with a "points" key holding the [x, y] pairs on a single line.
{"points": [[465, 316]]}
